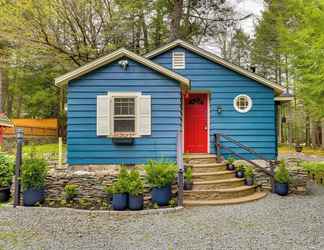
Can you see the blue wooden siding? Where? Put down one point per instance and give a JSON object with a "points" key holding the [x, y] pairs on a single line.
{"points": [[84, 147], [255, 128]]}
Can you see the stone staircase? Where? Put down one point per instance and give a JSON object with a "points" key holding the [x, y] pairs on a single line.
{"points": [[213, 184]]}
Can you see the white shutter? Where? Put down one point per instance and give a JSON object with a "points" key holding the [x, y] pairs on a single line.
{"points": [[144, 115], [103, 120]]}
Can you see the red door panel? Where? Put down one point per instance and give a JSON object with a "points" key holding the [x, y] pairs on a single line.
{"points": [[195, 124]]}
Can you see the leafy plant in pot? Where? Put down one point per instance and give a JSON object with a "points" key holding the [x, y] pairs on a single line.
{"points": [[6, 174], [70, 192], [136, 190], [240, 171], [119, 190], [160, 175], [230, 163], [188, 179], [249, 175], [34, 172], [282, 179]]}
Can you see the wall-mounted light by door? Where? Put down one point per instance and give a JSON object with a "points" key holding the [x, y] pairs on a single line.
{"points": [[219, 109]]}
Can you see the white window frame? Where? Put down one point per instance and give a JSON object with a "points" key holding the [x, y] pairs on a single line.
{"points": [[112, 96], [248, 108], [178, 53]]}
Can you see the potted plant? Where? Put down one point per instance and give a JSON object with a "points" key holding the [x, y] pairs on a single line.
{"points": [[34, 172], [70, 192], [230, 163], [136, 190], [282, 179], [160, 175], [249, 175], [188, 179], [299, 148], [240, 171], [6, 174], [119, 190]]}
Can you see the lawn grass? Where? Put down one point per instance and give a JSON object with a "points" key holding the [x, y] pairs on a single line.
{"points": [[284, 149], [43, 149]]}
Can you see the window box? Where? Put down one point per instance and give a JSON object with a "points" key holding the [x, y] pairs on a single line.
{"points": [[123, 141]]}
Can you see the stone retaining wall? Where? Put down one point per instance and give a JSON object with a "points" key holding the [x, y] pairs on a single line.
{"points": [[91, 181], [299, 177]]}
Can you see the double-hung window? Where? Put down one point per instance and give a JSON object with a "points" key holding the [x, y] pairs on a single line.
{"points": [[124, 115]]}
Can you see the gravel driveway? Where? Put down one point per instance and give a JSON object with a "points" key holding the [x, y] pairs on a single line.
{"points": [[294, 222]]}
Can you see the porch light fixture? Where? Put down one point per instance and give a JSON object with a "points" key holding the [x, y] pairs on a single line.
{"points": [[123, 64], [219, 109]]}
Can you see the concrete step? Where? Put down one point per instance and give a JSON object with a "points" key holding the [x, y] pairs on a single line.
{"points": [[207, 167], [217, 184], [199, 158], [249, 198], [212, 176], [219, 194]]}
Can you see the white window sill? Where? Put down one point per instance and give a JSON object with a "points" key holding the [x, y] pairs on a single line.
{"points": [[124, 135]]}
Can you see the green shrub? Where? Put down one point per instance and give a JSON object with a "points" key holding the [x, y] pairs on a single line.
{"points": [[188, 174], [135, 184], [120, 186], [282, 174], [160, 173], [34, 172], [230, 160], [240, 168], [6, 170], [248, 171], [314, 167], [70, 191]]}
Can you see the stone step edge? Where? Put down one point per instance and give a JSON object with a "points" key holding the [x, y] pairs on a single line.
{"points": [[198, 165], [198, 156], [231, 201], [222, 190], [218, 181], [213, 173]]}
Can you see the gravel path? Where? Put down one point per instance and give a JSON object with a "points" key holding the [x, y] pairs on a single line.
{"points": [[294, 222]]}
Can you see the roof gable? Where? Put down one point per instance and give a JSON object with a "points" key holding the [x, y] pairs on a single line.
{"points": [[212, 57], [64, 79]]}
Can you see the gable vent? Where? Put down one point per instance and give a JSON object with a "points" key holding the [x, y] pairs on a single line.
{"points": [[178, 60]]}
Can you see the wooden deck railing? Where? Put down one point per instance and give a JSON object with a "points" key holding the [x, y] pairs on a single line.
{"points": [[180, 181], [270, 163]]}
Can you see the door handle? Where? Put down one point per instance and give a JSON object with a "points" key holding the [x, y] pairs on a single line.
{"points": [[206, 127]]}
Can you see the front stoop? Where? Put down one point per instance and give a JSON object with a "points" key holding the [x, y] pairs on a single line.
{"points": [[214, 185]]}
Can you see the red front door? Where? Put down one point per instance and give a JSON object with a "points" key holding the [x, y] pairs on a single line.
{"points": [[195, 124]]}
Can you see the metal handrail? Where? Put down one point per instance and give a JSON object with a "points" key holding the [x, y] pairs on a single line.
{"points": [[180, 164], [272, 164]]}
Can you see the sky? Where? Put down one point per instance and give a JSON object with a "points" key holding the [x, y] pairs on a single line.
{"points": [[244, 7]]}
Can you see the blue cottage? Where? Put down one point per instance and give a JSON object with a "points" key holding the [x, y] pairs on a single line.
{"points": [[125, 108]]}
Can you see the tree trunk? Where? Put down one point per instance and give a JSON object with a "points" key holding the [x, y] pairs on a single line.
{"points": [[322, 134], [176, 16], [307, 132], [314, 134]]}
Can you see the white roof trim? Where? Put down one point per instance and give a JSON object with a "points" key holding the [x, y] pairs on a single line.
{"points": [[277, 87], [284, 98], [64, 79]]}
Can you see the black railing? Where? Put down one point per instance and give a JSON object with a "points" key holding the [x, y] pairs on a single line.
{"points": [[270, 163]]}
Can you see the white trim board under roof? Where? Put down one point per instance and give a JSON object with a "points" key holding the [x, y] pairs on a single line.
{"points": [[275, 86], [64, 79]]}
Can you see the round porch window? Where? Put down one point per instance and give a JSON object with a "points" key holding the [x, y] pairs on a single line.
{"points": [[242, 103]]}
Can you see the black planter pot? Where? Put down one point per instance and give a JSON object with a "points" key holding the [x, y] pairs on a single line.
{"points": [[249, 181], [161, 196], [230, 167], [4, 194], [136, 202], [187, 185], [33, 196], [281, 188], [119, 201], [299, 148], [69, 197], [239, 174]]}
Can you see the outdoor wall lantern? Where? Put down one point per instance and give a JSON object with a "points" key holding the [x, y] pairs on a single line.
{"points": [[123, 64], [219, 109]]}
